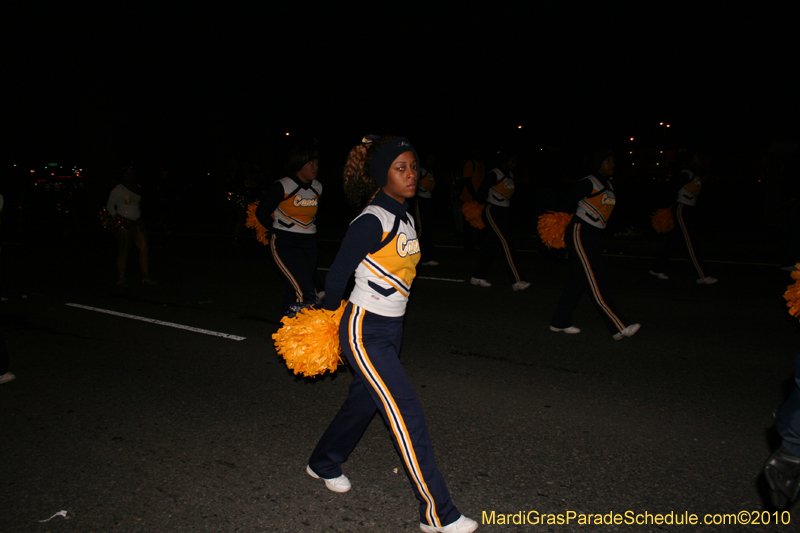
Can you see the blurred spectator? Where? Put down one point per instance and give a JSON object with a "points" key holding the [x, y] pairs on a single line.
{"points": [[124, 205]]}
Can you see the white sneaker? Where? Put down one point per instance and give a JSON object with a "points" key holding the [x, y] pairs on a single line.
{"points": [[8, 376], [336, 484], [659, 275], [462, 525], [521, 285], [708, 280], [430, 264], [630, 331], [481, 282], [571, 330]]}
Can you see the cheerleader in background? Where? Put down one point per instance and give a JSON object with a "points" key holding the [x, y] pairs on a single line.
{"points": [[381, 247], [691, 184], [289, 207], [592, 199], [495, 192], [124, 203]]}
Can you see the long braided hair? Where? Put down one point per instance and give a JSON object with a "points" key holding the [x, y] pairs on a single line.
{"points": [[359, 187]]}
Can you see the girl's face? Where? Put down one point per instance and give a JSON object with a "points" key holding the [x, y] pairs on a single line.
{"points": [[308, 173], [402, 177], [607, 168]]}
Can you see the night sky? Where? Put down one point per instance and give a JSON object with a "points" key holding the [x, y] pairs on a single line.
{"points": [[195, 82]]}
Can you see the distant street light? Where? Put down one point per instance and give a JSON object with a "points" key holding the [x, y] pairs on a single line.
{"points": [[663, 136]]}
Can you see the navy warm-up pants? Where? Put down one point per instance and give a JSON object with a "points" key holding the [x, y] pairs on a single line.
{"points": [[371, 344], [498, 236], [684, 221], [296, 259], [584, 244]]}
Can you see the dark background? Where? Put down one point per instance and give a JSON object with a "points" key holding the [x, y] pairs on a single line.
{"points": [[186, 89], [191, 83]]}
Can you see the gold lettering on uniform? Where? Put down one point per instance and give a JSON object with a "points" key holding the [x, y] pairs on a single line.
{"points": [[299, 201], [607, 200], [508, 185], [406, 247]]}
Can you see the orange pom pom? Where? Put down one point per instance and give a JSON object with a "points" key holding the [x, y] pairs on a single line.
{"points": [[309, 341], [662, 220], [551, 228], [792, 294], [472, 213], [252, 222]]}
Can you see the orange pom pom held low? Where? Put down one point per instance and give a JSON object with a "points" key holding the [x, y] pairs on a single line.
{"points": [[472, 214], [252, 222], [662, 220], [309, 341], [551, 227], [792, 294]]}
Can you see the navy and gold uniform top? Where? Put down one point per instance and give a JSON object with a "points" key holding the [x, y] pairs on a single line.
{"points": [[595, 206], [291, 205], [501, 187], [691, 188], [381, 246]]}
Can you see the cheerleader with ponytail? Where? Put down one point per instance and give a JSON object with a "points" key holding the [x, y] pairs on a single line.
{"points": [[381, 247], [289, 209]]}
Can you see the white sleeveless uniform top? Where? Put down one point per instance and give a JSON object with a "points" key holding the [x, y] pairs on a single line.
{"points": [[384, 277], [297, 213]]}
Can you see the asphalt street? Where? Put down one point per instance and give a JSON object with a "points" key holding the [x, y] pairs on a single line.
{"points": [[134, 426]]}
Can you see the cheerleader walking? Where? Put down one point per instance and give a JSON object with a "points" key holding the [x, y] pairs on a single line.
{"points": [[381, 246], [684, 215], [495, 192], [290, 208], [595, 199]]}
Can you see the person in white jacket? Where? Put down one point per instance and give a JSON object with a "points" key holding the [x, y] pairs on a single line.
{"points": [[123, 205]]}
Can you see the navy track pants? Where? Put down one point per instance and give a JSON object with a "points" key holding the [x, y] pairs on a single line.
{"points": [[583, 244], [296, 260], [371, 344]]}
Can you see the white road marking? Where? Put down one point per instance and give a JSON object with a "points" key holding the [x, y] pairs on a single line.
{"points": [[160, 322], [442, 279]]}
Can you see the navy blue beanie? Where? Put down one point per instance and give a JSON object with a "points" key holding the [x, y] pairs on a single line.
{"points": [[598, 158], [382, 159]]}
